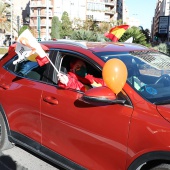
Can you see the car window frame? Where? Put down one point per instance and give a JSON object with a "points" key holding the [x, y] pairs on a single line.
{"points": [[12, 71], [77, 55], [121, 95]]}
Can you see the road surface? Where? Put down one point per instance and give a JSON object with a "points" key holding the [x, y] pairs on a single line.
{"points": [[17, 158]]}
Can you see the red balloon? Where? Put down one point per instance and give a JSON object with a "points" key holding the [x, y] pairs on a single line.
{"points": [[115, 74]]}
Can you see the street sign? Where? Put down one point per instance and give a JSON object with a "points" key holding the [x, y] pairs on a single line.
{"points": [[163, 24]]}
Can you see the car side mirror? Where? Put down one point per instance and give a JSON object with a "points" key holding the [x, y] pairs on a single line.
{"points": [[101, 95]]}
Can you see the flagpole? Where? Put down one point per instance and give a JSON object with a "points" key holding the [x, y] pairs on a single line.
{"points": [[11, 22], [47, 19]]}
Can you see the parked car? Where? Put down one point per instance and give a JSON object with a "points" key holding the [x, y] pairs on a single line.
{"points": [[95, 129]]}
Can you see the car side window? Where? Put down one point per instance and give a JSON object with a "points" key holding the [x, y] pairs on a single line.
{"points": [[91, 69], [27, 69], [64, 67]]}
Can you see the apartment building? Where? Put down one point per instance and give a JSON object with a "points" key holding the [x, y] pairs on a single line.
{"points": [[41, 13], [119, 9], [156, 17], [162, 11], [38, 13], [98, 10], [19, 10], [165, 8]]}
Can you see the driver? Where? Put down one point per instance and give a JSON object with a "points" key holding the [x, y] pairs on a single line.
{"points": [[77, 78]]}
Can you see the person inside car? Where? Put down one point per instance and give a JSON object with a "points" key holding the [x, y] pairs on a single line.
{"points": [[26, 66], [77, 78]]}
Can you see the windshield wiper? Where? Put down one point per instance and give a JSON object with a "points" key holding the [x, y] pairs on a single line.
{"points": [[162, 102]]}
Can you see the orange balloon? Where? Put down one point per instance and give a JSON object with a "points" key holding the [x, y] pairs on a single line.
{"points": [[115, 74]]}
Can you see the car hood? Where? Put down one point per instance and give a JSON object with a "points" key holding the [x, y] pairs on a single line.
{"points": [[164, 110]]}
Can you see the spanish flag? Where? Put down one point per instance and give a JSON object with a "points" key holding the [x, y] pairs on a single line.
{"points": [[116, 32]]}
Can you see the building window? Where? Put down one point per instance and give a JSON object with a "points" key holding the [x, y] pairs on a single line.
{"points": [[95, 6], [89, 16]]}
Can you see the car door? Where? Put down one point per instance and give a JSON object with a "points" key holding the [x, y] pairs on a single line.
{"points": [[20, 100], [93, 136]]}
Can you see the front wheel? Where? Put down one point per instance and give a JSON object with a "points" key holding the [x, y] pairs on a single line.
{"points": [[162, 167], [4, 142], [156, 166]]}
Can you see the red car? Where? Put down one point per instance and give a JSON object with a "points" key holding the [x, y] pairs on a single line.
{"points": [[95, 129]]}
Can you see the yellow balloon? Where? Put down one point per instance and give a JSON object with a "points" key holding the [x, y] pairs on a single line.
{"points": [[115, 74]]}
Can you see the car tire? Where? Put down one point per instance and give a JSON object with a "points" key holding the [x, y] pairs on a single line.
{"points": [[4, 142], [162, 167], [156, 166]]}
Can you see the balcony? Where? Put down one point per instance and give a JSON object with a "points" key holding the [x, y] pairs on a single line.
{"points": [[110, 12], [110, 4], [41, 15], [40, 5], [41, 25]]}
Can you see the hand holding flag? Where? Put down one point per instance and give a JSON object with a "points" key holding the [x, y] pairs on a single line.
{"points": [[63, 78]]}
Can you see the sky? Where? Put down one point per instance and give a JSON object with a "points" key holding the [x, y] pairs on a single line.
{"points": [[143, 10]]}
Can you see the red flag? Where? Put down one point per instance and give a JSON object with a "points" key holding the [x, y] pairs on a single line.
{"points": [[116, 32], [42, 61], [11, 47]]}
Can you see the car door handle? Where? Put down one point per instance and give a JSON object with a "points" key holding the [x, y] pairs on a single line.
{"points": [[4, 86], [51, 100]]}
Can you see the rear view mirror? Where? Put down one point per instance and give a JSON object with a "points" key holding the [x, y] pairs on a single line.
{"points": [[100, 95]]}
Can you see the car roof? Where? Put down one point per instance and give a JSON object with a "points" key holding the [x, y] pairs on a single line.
{"points": [[97, 46]]}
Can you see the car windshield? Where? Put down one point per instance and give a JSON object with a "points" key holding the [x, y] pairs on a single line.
{"points": [[148, 73]]}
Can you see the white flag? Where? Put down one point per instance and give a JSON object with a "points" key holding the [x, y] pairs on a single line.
{"points": [[130, 40], [23, 52], [27, 45]]}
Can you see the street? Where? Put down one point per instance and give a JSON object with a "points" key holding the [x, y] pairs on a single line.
{"points": [[17, 158]]}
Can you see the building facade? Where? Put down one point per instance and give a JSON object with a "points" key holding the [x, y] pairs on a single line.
{"points": [[38, 13], [97, 10], [162, 12], [19, 10], [41, 13]]}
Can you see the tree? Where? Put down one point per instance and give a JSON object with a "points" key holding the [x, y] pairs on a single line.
{"points": [[105, 27], [77, 23], [84, 35], [146, 32], [138, 36], [91, 25], [163, 47], [66, 26], [119, 22], [5, 24], [55, 28], [23, 28], [87, 35]]}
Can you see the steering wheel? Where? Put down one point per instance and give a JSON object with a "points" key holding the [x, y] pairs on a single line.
{"points": [[164, 79]]}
